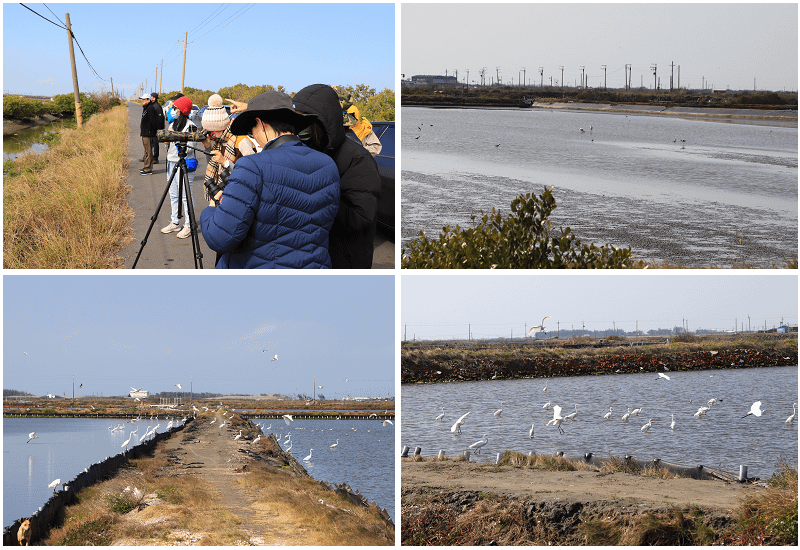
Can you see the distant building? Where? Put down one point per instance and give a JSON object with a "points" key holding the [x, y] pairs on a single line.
{"points": [[139, 394], [428, 80]]}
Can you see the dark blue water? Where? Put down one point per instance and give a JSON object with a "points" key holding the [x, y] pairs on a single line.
{"points": [[728, 193], [364, 458], [721, 438]]}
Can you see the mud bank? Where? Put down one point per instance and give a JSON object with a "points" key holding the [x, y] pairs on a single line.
{"points": [[13, 125], [456, 502], [448, 365]]}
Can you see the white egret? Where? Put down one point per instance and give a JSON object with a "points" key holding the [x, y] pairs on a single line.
{"points": [[288, 419], [530, 433], [478, 444], [55, 483], [672, 426], [627, 415], [635, 412], [499, 411], [557, 418], [335, 444], [146, 433], [289, 448], [647, 426], [755, 409], [441, 416], [125, 444], [320, 387], [791, 418], [714, 400], [238, 436], [215, 419], [662, 375], [33, 435], [571, 416], [179, 386], [387, 422], [607, 416], [539, 328], [306, 459], [495, 375], [257, 439], [547, 405], [458, 424], [275, 358]]}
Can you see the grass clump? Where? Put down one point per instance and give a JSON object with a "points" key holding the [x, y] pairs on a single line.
{"points": [[67, 208]]}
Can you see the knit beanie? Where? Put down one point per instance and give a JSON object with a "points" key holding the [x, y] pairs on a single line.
{"points": [[215, 117], [183, 104]]}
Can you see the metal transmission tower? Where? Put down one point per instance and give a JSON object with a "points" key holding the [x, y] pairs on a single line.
{"points": [[627, 80], [482, 72], [655, 78], [499, 82], [541, 77]]}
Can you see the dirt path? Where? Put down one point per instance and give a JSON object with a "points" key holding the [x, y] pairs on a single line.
{"points": [[584, 486]]}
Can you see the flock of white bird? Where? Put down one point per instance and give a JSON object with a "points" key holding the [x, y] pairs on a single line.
{"points": [[558, 420]]}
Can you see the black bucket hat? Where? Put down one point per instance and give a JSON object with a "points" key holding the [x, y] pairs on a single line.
{"points": [[270, 106]]}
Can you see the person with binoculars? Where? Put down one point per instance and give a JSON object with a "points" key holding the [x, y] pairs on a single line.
{"points": [[278, 206]]}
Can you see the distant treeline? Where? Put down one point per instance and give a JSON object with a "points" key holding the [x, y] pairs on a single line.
{"points": [[15, 393], [22, 108]]}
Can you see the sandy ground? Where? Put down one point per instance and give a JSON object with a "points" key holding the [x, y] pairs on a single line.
{"points": [[583, 486]]}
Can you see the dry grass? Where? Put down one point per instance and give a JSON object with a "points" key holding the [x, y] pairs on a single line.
{"points": [[67, 208]]}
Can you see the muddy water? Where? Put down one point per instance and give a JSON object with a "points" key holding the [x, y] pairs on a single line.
{"points": [[31, 140], [685, 191]]}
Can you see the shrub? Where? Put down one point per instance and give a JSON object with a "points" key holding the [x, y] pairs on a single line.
{"points": [[22, 108], [523, 240], [66, 103]]}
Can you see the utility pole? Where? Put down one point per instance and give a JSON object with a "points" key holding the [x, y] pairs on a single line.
{"points": [[670, 75], [655, 81], [112, 85], [562, 75], [523, 76], [498, 76], [541, 77], [78, 116], [160, 82], [73, 389], [155, 82], [583, 81], [605, 78], [183, 72]]}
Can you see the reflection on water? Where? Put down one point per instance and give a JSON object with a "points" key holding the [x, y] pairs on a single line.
{"points": [[32, 140], [701, 193], [720, 438]]}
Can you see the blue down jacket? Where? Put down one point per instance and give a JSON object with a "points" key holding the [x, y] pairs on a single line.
{"points": [[276, 211]]}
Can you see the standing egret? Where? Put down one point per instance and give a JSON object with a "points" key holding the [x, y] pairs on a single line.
{"points": [[547, 405], [557, 419], [289, 448], [495, 375], [607, 416], [662, 375], [441, 416], [499, 411], [627, 415], [256, 440], [335, 444], [647, 426], [238, 436], [55, 483], [714, 400], [539, 328], [756, 410], [672, 426], [458, 424], [478, 444], [288, 419], [571, 416], [125, 444], [146, 433], [545, 386], [530, 433], [791, 418], [306, 459], [635, 412], [33, 435]]}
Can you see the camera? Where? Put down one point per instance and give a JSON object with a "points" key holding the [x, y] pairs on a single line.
{"points": [[213, 188], [171, 136]]}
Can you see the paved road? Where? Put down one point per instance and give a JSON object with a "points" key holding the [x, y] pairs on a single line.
{"points": [[167, 251]]}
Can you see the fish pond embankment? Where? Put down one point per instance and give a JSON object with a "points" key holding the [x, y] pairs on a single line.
{"points": [[449, 361]]}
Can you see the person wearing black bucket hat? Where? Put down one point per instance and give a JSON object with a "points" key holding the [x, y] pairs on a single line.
{"points": [[279, 205]]}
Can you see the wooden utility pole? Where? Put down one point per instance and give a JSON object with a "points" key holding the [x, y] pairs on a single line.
{"points": [[183, 72], [112, 85], [155, 82], [160, 82], [78, 116], [73, 389]]}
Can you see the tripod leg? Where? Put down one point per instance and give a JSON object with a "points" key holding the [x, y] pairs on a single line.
{"points": [[154, 217], [198, 254]]}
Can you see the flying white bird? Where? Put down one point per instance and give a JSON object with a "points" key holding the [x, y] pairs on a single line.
{"points": [[288, 419], [441, 416], [458, 424], [387, 422], [539, 328], [557, 419], [179, 386], [755, 409], [25, 352], [275, 358], [791, 418], [662, 375], [478, 444], [33, 435]]}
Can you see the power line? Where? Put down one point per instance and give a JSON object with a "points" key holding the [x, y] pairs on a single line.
{"points": [[43, 17], [219, 28]]}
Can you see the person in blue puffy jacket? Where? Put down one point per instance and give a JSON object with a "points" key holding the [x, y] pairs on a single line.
{"points": [[279, 205]]}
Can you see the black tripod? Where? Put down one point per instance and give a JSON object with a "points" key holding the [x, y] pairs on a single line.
{"points": [[183, 187]]}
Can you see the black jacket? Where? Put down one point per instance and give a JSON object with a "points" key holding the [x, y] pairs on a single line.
{"points": [[160, 113], [353, 231], [149, 124]]}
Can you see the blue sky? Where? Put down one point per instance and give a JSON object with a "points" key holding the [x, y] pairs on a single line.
{"points": [[441, 305], [114, 332], [724, 45], [290, 45]]}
